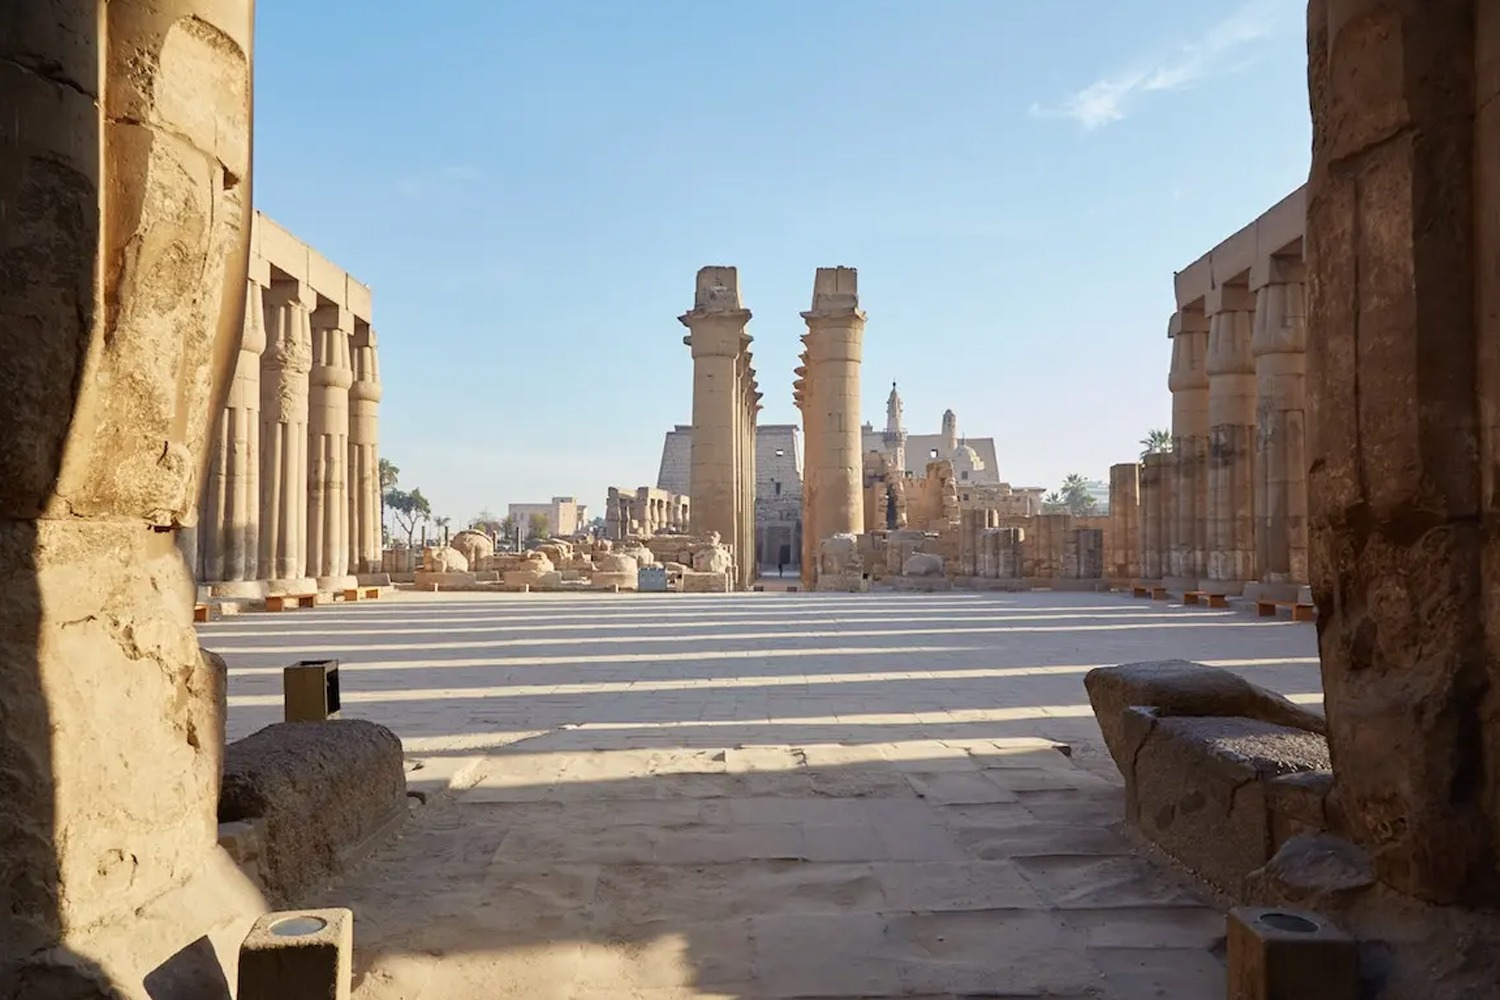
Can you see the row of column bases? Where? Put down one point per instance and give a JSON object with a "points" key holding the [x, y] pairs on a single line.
{"points": [[1226, 508], [291, 501]]}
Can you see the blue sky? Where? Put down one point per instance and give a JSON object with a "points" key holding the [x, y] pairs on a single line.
{"points": [[529, 188]]}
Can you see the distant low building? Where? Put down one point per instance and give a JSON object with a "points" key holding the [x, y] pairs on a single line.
{"points": [[565, 516]]}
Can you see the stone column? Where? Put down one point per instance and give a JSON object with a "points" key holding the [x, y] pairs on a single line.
{"points": [[1156, 515], [364, 453], [1231, 452], [717, 322], [805, 398], [835, 337], [229, 533], [1124, 521], [1403, 387], [125, 167], [283, 437], [328, 448], [1279, 345], [1189, 384]]}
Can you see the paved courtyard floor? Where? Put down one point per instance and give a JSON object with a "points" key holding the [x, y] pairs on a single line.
{"points": [[760, 795]]}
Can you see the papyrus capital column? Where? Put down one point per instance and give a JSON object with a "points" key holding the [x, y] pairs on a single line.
{"points": [[124, 162], [329, 380], [717, 338], [1188, 380], [285, 367], [366, 539], [835, 347], [1231, 449], [1403, 382], [1279, 346]]}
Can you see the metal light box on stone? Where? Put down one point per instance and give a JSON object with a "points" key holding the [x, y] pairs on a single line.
{"points": [[310, 690]]}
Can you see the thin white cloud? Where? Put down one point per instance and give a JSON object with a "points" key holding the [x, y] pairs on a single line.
{"points": [[436, 181], [1217, 51]]}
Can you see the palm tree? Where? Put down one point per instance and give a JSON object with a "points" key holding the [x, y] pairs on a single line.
{"points": [[1158, 441], [1075, 496], [1053, 503], [388, 475], [442, 523]]}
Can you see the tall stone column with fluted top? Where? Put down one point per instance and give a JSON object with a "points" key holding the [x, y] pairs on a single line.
{"points": [[365, 540], [285, 365], [329, 380], [1188, 381], [125, 164], [228, 532], [1279, 346], [1231, 448], [805, 398], [835, 344], [718, 339]]}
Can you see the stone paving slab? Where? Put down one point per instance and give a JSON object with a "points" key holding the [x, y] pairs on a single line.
{"points": [[816, 796]]}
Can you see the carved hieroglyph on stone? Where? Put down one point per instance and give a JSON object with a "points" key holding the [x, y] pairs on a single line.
{"points": [[124, 172]]}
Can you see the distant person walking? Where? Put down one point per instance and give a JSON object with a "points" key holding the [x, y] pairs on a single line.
{"points": [[779, 566]]}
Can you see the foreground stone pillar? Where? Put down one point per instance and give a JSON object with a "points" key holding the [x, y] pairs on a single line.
{"points": [[835, 339], [1403, 296], [365, 539], [1188, 381], [124, 172], [1231, 451], [285, 366], [328, 448], [229, 535], [1279, 345], [717, 338], [1124, 521]]}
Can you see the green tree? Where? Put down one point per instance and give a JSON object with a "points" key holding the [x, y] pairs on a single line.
{"points": [[538, 526], [508, 527], [388, 476], [487, 522], [1075, 496], [411, 509], [1158, 441], [441, 523], [1052, 503]]}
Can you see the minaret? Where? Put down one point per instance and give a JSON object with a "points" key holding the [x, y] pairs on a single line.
{"points": [[894, 437], [950, 433]]}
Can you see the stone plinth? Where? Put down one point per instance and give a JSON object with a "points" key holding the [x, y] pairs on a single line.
{"points": [[321, 793], [298, 955]]}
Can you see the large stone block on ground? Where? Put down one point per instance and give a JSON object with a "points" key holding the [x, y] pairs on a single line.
{"points": [[320, 793], [1201, 787], [1181, 687]]}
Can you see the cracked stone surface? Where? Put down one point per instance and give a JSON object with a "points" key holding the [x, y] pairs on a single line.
{"points": [[760, 796]]}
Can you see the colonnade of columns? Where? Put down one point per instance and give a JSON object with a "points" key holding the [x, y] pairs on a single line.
{"points": [[725, 407], [291, 502], [827, 393], [645, 511], [1225, 511]]}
